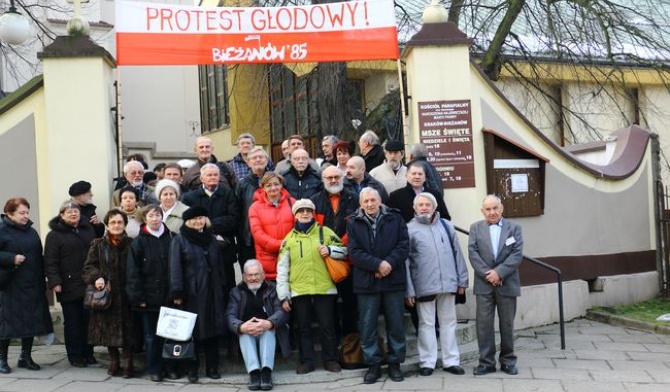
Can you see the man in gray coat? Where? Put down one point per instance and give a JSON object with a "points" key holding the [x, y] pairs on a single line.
{"points": [[436, 271], [496, 249]]}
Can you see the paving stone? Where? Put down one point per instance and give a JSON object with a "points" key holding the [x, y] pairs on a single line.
{"points": [[531, 385], [587, 364], [560, 374], [592, 386], [621, 376]]}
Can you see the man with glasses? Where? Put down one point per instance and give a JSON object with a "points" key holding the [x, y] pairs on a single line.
{"points": [[133, 171], [240, 163], [255, 314]]}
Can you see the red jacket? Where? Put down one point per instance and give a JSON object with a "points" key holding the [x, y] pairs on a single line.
{"points": [[269, 225]]}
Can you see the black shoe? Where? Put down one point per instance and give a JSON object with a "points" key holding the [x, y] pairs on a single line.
{"points": [[213, 374], [254, 380], [4, 367], [193, 376], [395, 373], [91, 360], [28, 363], [78, 364], [510, 369], [155, 377], [481, 370], [373, 374], [457, 370], [304, 368], [266, 379], [425, 371], [172, 375]]}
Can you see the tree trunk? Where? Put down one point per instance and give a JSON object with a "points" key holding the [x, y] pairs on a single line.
{"points": [[493, 59]]}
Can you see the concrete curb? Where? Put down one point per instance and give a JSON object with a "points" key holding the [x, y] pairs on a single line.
{"points": [[609, 318]]}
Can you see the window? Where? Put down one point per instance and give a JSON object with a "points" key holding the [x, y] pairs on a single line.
{"points": [[213, 97]]}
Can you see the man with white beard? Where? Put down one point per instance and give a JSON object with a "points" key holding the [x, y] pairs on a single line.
{"points": [[255, 314], [332, 207], [133, 171], [392, 174]]}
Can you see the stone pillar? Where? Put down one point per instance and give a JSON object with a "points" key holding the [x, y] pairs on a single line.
{"points": [[78, 140]]}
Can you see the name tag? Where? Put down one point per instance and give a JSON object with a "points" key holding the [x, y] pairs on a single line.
{"points": [[510, 241]]}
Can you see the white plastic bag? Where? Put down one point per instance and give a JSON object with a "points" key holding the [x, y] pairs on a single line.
{"points": [[175, 324]]}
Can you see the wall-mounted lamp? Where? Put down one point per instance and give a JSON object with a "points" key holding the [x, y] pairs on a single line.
{"points": [[14, 28]]}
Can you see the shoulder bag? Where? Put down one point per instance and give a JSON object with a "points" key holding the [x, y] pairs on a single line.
{"points": [[338, 269]]}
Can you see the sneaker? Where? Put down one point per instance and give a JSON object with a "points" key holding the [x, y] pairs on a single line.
{"points": [[304, 368], [332, 366], [254, 380], [266, 379], [373, 374]]}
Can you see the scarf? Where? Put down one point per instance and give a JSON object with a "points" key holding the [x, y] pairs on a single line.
{"points": [[115, 240], [201, 238], [303, 227]]}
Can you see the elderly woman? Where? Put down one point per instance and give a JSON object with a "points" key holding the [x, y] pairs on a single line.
{"points": [[65, 252], [270, 220], [129, 207], [147, 282], [343, 151], [167, 193], [22, 300], [106, 262], [197, 284], [304, 284]]}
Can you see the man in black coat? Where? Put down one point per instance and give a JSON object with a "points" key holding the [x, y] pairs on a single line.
{"points": [[378, 245], [81, 194], [371, 150], [419, 153], [403, 198], [224, 213], [301, 181], [358, 178]]}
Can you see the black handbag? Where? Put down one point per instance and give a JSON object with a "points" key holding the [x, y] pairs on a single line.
{"points": [[6, 275], [95, 299], [173, 349]]}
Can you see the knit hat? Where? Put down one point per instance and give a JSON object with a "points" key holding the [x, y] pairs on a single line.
{"points": [[302, 203], [79, 188], [394, 145], [164, 183], [195, 212]]}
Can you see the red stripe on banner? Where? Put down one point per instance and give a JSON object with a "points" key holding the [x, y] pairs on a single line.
{"points": [[194, 49]]}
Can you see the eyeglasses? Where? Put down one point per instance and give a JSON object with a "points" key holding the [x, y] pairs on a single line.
{"points": [[332, 178], [304, 210], [253, 276]]}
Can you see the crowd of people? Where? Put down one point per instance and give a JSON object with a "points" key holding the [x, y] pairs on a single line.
{"points": [[173, 239]]}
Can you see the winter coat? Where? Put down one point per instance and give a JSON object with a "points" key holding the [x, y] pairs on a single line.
{"points": [[368, 181], [147, 270], [433, 266], [374, 158], [433, 178], [24, 311], [302, 186], [269, 226], [276, 314], [301, 270], [192, 175], [87, 211], [222, 206], [244, 192], [336, 220], [174, 221], [390, 242], [112, 327], [197, 278], [65, 250], [391, 180], [403, 200]]}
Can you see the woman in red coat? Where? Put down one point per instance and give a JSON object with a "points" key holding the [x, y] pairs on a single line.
{"points": [[270, 220]]}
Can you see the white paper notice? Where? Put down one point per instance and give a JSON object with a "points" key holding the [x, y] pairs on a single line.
{"points": [[519, 183]]}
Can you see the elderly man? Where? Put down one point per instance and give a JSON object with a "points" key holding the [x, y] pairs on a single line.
{"points": [[332, 207], [259, 164], [301, 180], [224, 212], [495, 248], [294, 142], [327, 148], [436, 272], [357, 179], [419, 153], [173, 172], [133, 172], [285, 149], [240, 162], [403, 198], [256, 316], [81, 194], [371, 150], [392, 174], [378, 246], [204, 148]]}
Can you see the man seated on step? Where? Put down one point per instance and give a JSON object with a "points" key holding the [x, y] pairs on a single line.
{"points": [[255, 314]]}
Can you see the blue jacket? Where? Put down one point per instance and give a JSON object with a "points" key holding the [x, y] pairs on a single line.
{"points": [[367, 251]]}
